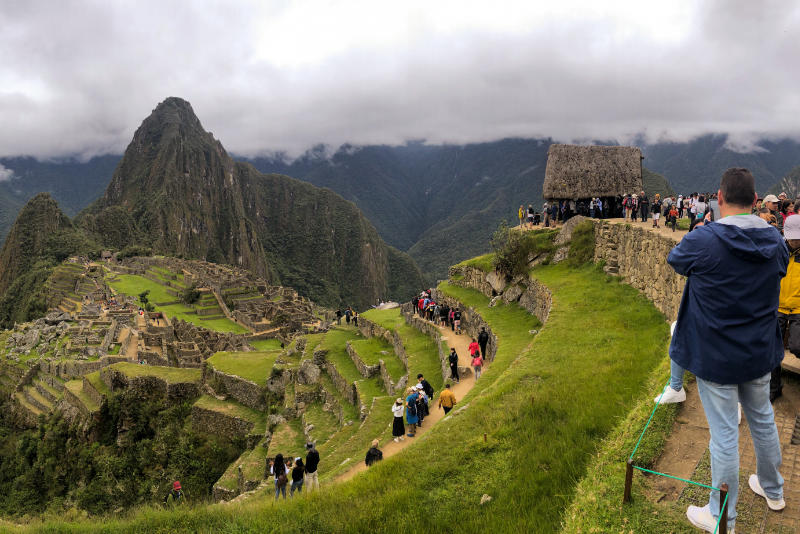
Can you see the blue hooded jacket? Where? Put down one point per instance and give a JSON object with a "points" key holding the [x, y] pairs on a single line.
{"points": [[727, 328]]}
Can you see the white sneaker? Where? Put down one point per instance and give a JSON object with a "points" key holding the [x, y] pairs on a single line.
{"points": [[755, 485], [670, 396], [396, 440], [702, 518]]}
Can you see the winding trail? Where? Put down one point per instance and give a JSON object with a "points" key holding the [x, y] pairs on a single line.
{"points": [[460, 389]]}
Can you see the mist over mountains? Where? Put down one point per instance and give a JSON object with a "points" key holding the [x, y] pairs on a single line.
{"points": [[423, 199]]}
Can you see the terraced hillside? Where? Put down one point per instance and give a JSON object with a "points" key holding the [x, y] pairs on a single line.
{"points": [[524, 435]]}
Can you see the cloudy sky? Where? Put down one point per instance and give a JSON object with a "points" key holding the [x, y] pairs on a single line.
{"points": [[78, 77]]}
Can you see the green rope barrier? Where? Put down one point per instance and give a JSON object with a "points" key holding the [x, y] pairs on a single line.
{"points": [[676, 478], [658, 403]]}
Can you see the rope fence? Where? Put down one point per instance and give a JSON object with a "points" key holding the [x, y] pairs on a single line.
{"points": [[722, 521]]}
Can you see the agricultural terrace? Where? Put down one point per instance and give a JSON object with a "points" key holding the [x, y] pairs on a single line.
{"points": [[528, 433]]}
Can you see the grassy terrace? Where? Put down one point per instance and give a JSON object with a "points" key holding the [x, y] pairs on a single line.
{"points": [[234, 409], [266, 344], [133, 285], [325, 423], [423, 356], [370, 350], [485, 263], [172, 375], [99, 385], [76, 388], [288, 439], [546, 404], [252, 366]]}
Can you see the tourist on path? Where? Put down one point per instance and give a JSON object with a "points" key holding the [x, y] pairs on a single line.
{"points": [[483, 340], [312, 463], [728, 337], [339, 316], [452, 358], [474, 348], [426, 386], [457, 321], [298, 473], [422, 404], [411, 411], [446, 399], [398, 428], [656, 210], [347, 314], [789, 303], [644, 206], [278, 469], [521, 214], [374, 454], [477, 365]]}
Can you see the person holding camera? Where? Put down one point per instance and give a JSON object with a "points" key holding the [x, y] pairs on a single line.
{"points": [[728, 336]]}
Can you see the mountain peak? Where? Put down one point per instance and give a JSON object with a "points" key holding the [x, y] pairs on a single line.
{"points": [[172, 116]]}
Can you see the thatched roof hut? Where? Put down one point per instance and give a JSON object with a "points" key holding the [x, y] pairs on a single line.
{"points": [[575, 171]]}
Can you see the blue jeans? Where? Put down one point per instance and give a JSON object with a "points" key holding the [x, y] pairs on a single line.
{"points": [[297, 485], [720, 404], [279, 490], [675, 375]]}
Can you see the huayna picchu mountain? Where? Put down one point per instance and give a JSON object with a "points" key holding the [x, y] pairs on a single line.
{"points": [[178, 192]]}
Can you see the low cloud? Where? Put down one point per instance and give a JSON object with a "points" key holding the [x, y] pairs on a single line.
{"points": [[6, 174], [283, 77]]}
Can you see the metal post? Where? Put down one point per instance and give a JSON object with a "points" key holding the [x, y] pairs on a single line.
{"points": [[626, 496], [723, 513]]}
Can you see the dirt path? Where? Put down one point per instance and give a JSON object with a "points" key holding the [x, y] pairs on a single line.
{"points": [[460, 389]]}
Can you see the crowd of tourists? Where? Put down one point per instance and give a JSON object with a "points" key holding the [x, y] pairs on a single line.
{"points": [[740, 310]]}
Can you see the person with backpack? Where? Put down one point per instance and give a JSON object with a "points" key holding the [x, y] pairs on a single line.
{"points": [[398, 427], [422, 404], [426, 386], [175, 495], [278, 469], [312, 463], [374, 454], [477, 365], [483, 340], [452, 359], [521, 214], [347, 314], [451, 319], [656, 210], [411, 411], [457, 321], [298, 474], [673, 217], [339, 316]]}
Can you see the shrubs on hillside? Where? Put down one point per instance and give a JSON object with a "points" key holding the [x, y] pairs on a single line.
{"points": [[513, 249]]}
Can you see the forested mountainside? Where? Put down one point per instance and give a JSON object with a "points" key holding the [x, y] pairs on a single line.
{"points": [[177, 192], [427, 198]]}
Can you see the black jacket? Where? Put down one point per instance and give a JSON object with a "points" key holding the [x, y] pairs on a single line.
{"points": [[483, 338], [312, 461], [373, 455], [427, 388], [452, 358]]}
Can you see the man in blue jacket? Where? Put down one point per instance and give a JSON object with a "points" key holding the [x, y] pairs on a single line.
{"points": [[728, 336]]}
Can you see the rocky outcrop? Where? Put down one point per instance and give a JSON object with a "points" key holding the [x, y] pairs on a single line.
{"points": [[149, 386], [639, 257]]}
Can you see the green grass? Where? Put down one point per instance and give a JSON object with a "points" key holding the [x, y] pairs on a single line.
{"points": [[252, 366], [288, 439], [133, 285], [683, 224], [423, 356], [76, 388], [334, 341], [99, 385], [266, 344], [370, 350], [325, 423], [350, 412], [537, 405], [485, 263], [172, 375], [252, 462], [234, 409]]}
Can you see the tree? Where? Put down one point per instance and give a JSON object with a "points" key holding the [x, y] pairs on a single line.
{"points": [[143, 297], [790, 184]]}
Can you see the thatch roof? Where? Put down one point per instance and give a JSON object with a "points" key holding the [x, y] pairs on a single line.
{"points": [[592, 171]]}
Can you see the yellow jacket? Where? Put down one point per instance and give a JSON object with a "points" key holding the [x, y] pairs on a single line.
{"points": [[789, 301], [447, 399]]}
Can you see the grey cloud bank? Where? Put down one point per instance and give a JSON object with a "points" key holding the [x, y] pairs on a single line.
{"points": [[77, 78]]}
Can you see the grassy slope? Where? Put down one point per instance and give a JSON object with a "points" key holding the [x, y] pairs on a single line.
{"points": [[537, 404], [253, 366], [423, 356], [172, 375], [132, 285], [370, 350]]}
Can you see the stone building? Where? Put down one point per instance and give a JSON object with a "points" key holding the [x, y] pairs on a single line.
{"points": [[583, 172]]}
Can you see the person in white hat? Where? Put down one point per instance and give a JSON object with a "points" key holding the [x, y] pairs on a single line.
{"points": [[771, 203]]}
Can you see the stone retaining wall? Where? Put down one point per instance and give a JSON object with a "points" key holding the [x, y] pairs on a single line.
{"points": [[431, 330], [246, 392], [77, 368], [149, 386], [91, 392], [640, 258], [367, 371], [219, 424]]}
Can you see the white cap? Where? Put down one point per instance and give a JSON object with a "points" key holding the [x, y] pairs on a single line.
{"points": [[791, 227]]}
